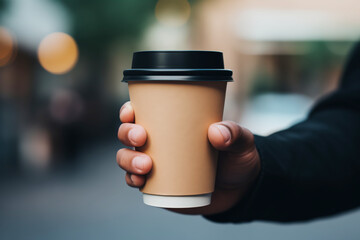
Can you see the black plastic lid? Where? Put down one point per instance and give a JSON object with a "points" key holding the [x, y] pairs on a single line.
{"points": [[178, 66]]}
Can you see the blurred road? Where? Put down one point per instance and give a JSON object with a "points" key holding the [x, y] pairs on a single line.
{"points": [[95, 203]]}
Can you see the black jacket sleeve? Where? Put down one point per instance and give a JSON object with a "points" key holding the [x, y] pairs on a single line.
{"points": [[312, 169]]}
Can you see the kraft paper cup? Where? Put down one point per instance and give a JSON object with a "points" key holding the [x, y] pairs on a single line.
{"points": [[176, 115]]}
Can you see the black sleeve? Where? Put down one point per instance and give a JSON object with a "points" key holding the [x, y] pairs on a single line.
{"points": [[312, 169]]}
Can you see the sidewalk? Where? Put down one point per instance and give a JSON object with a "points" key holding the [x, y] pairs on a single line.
{"points": [[95, 203]]}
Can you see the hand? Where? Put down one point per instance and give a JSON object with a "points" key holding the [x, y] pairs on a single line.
{"points": [[238, 164]]}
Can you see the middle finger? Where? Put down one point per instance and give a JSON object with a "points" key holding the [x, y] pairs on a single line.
{"points": [[133, 161], [132, 135]]}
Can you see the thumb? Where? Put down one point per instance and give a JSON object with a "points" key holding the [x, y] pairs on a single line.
{"points": [[240, 161], [229, 136]]}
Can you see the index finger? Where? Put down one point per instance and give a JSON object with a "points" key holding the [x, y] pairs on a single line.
{"points": [[126, 113]]}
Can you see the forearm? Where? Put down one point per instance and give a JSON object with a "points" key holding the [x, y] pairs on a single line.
{"points": [[310, 170]]}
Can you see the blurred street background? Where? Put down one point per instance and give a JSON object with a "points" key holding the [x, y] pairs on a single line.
{"points": [[61, 64]]}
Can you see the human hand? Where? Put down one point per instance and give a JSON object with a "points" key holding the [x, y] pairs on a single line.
{"points": [[238, 163]]}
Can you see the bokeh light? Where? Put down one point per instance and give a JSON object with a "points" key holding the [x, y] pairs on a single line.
{"points": [[58, 53], [7, 46], [173, 13]]}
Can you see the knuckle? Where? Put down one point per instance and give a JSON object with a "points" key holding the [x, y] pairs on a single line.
{"points": [[123, 129], [124, 106], [128, 182], [121, 157], [118, 156], [128, 179], [119, 132], [126, 113]]}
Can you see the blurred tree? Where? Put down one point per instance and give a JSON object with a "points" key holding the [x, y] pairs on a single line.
{"points": [[96, 24]]}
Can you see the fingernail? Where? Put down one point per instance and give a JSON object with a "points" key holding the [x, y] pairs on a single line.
{"points": [[133, 135], [225, 132], [139, 162]]}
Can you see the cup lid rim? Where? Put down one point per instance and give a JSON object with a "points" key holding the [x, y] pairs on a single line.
{"points": [[177, 75]]}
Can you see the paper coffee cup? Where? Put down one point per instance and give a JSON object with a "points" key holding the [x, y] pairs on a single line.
{"points": [[176, 96]]}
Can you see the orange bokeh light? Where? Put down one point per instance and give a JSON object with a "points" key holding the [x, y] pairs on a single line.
{"points": [[58, 53], [7, 46]]}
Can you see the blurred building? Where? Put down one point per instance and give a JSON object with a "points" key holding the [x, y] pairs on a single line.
{"points": [[278, 46]]}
